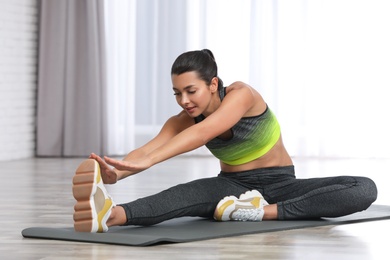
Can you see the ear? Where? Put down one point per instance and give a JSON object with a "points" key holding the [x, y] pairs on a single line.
{"points": [[214, 85]]}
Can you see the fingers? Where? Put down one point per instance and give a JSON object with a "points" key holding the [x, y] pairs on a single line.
{"points": [[93, 156], [120, 165], [101, 162], [117, 164]]}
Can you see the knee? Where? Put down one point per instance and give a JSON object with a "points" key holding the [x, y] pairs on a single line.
{"points": [[368, 189]]}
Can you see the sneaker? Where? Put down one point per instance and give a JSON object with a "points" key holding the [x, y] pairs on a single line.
{"points": [[93, 206], [248, 207]]}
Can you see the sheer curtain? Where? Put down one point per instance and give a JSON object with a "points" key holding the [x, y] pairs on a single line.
{"points": [[322, 67], [332, 74], [120, 28]]}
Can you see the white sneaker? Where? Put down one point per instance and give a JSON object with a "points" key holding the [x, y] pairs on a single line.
{"points": [[93, 207], [249, 207]]}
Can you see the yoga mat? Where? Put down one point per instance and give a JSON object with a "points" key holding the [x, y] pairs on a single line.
{"points": [[188, 229]]}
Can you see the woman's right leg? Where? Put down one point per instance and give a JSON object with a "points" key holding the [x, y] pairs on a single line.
{"points": [[95, 210], [196, 198]]}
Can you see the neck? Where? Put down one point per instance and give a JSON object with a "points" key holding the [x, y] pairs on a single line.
{"points": [[215, 102]]}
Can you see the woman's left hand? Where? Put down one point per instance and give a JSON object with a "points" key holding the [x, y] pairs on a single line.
{"points": [[132, 167]]}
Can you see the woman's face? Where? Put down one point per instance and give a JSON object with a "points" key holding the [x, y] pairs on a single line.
{"points": [[193, 94]]}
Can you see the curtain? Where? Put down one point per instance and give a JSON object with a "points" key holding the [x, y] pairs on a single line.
{"points": [[322, 66], [72, 82]]}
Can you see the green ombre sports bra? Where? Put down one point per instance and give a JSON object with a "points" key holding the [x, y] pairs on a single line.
{"points": [[252, 137]]}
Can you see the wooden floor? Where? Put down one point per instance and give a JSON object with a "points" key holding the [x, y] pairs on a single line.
{"points": [[37, 192]]}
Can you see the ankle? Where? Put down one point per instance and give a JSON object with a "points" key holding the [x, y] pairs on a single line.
{"points": [[270, 212], [117, 217]]}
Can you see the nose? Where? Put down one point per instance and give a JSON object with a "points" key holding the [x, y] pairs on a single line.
{"points": [[184, 100]]}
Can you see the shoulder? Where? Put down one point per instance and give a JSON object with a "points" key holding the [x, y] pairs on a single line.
{"points": [[242, 90], [240, 87], [248, 95]]}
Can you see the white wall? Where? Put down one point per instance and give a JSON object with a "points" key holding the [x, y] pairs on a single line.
{"points": [[18, 77]]}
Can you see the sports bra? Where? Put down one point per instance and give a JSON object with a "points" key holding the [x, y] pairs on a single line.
{"points": [[252, 137]]}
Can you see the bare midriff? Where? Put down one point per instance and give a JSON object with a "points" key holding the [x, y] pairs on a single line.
{"points": [[276, 157]]}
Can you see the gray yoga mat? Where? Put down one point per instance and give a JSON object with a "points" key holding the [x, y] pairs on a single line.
{"points": [[188, 229]]}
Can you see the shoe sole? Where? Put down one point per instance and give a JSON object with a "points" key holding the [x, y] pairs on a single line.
{"points": [[88, 195]]}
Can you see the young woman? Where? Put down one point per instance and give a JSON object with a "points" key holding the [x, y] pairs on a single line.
{"points": [[257, 180]]}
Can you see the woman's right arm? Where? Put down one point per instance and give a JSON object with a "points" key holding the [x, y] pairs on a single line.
{"points": [[171, 128]]}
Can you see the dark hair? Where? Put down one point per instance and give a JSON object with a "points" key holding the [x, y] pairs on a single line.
{"points": [[202, 62]]}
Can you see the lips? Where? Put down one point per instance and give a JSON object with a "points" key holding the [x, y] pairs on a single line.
{"points": [[190, 109]]}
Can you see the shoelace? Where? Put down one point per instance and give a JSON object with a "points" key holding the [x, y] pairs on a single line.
{"points": [[248, 214]]}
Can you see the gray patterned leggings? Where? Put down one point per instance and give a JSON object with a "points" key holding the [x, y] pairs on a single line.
{"points": [[296, 198]]}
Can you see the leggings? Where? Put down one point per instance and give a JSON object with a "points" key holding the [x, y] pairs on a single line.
{"points": [[295, 198]]}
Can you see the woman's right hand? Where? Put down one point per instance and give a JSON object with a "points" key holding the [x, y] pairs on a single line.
{"points": [[108, 174]]}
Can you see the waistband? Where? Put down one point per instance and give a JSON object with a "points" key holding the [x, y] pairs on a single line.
{"points": [[282, 170]]}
